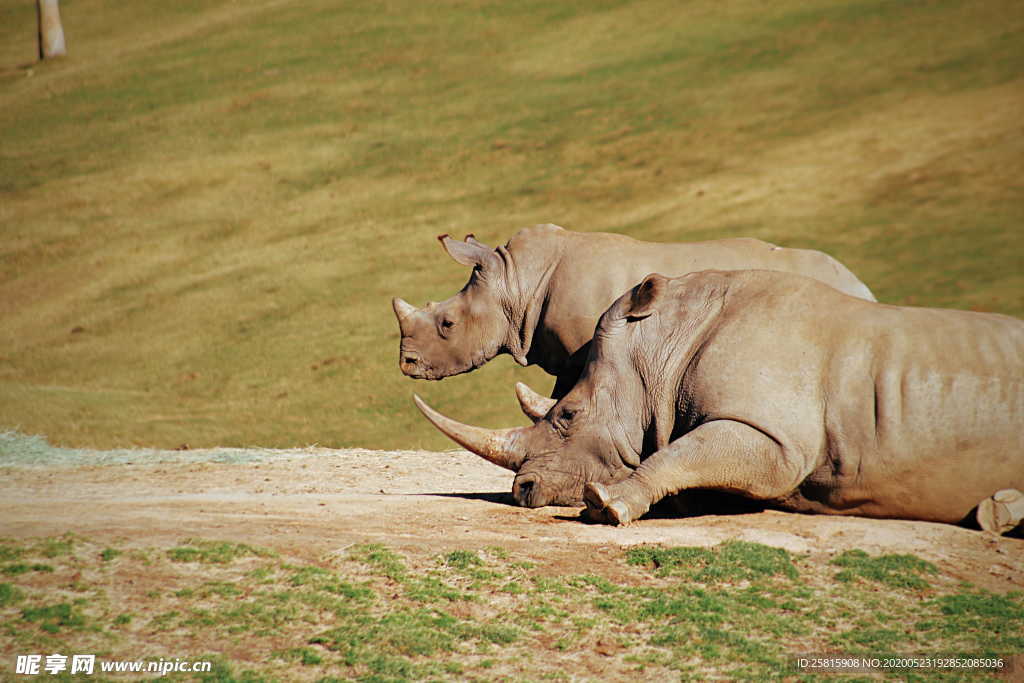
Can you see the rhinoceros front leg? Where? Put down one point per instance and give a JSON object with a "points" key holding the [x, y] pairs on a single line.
{"points": [[722, 454]]}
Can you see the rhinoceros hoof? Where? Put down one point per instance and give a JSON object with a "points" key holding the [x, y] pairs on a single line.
{"points": [[618, 513], [1002, 512], [601, 507]]}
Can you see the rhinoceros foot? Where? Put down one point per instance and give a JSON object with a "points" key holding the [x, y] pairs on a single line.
{"points": [[601, 507], [1002, 512]]}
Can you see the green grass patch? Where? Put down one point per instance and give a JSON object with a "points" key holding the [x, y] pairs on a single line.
{"points": [[899, 571], [463, 559], [379, 559], [980, 616], [731, 561], [52, 618], [303, 655], [9, 594], [9, 553], [434, 589], [21, 568], [378, 614], [214, 552], [327, 581], [109, 554], [983, 604], [57, 547]]}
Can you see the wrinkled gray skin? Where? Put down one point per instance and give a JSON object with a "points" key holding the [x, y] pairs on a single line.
{"points": [[539, 297], [778, 388]]}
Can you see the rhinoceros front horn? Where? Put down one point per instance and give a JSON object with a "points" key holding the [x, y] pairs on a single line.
{"points": [[533, 404], [494, 445], [403, 309]]}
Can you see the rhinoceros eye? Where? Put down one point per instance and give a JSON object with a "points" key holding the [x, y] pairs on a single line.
{"points": [[564, 418], [446, 326]]}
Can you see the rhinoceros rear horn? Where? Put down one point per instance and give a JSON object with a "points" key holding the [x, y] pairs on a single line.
{"points": [[533, 404], [494, 445], [403, 309]]}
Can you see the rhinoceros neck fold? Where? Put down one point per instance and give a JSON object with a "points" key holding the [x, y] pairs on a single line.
{"points": [[528, 290], [664, 367]]}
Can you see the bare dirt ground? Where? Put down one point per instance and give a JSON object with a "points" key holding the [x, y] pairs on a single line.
{"points": [[313, 502]]}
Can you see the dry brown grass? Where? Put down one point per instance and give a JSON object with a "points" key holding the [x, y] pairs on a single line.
{"points": [[221, 200]]}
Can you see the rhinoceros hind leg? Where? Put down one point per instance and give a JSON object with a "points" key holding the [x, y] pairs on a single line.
{"points": [[1002, 512]]}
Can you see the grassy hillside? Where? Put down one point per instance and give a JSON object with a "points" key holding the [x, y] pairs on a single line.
{"points": [[205, 208]]}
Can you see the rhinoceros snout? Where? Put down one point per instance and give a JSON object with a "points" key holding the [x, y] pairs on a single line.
{"points": [[410, 363], [525, 491], [530, 492]]}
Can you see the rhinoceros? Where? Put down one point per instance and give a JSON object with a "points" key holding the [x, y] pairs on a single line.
{"points": [[778, 388], [539, 296]]}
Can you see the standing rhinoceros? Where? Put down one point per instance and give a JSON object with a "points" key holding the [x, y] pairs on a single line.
{"points": [[538, 297], [778, 388]]}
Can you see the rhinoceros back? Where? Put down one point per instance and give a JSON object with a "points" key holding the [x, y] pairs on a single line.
{"points": [[596, 268]]}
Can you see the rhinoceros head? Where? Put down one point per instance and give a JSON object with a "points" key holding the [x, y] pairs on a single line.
{"points": [[598, 432], [465, 331], [553, 460], [579, 439]]}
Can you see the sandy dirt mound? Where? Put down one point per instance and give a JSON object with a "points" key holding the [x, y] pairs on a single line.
{"points": [[318, 501]]}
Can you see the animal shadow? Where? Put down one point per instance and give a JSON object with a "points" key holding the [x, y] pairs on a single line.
{"points": [[501, 498], [694, 503]]}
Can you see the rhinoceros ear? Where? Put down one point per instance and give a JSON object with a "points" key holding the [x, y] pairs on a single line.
{"points": [[644, 297], [471, 253], [471, 239]]}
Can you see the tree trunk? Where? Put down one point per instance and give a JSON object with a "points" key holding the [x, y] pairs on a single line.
{"points": [[51, 33]]}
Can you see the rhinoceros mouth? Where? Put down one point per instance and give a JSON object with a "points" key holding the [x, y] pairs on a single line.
{"points": [[529, 492], [413, 366], [432, 375]]}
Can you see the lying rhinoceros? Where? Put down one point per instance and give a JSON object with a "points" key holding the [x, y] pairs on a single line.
{"points": [[779, 388], [539, 296]]}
